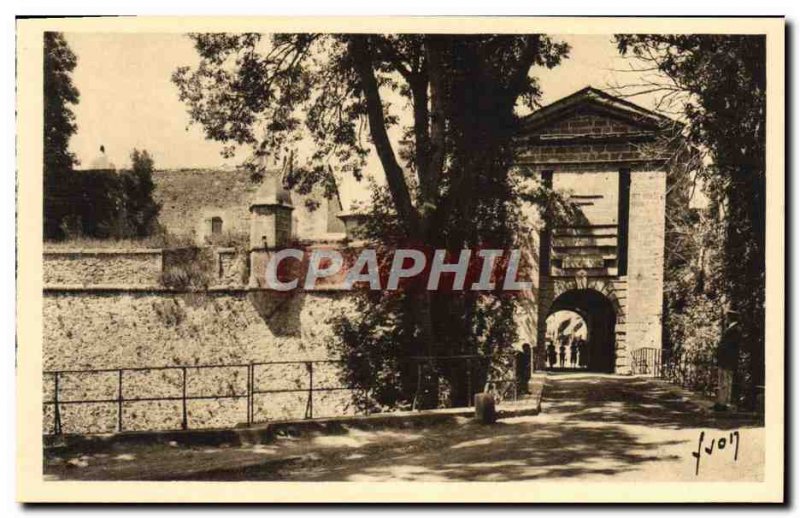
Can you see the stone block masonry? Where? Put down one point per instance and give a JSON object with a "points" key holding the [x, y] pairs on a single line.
{"points": [[190, 198], [103, 266], [134, 268], [107, 310], [585, 145], [107, 329], [646, 259], [149, 334]]}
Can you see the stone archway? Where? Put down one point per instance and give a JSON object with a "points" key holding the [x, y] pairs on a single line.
{"points": [[600, 314]]}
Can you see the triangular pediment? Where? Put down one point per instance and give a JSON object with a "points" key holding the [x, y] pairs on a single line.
{"points": [[592, 112]]}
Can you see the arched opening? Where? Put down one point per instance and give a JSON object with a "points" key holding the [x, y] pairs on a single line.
{"points": [[599, 317], [216, 226], [565, 340]]}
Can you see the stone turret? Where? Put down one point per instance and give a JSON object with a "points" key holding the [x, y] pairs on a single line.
{"points": [[270, 224], [271, 215]]}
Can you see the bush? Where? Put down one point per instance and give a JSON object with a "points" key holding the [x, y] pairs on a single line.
{"points": [[103, 204], [187, 268]]}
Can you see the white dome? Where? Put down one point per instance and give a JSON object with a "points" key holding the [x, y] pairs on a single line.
{"points": [[102, 162]]}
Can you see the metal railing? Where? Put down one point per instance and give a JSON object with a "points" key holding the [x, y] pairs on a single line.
{"points": [[694, 371], [497, 375], [691, 370], [121, 391], [646, 362], [251, 390]]}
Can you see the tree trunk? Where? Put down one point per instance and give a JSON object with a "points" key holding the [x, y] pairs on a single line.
{"points": [[395, 178]]}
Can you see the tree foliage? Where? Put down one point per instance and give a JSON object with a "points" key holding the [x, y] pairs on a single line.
{"points": [[59, 124], [692, 290], [439, 111], [725, 79], [109, 204], [103, 204], [141, 209]]}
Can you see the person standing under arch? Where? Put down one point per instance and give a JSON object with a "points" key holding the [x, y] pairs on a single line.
{"points": [[551, 353], [573, 352]]}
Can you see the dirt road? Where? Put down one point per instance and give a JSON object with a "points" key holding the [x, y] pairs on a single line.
{"points": [[592, 427]]}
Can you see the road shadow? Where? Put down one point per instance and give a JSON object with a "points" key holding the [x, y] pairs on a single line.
{"points": [[472, 452], [590, 426], [635, 401]]}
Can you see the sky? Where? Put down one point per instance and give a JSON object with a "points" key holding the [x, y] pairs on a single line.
{"points": [[127, 98]]}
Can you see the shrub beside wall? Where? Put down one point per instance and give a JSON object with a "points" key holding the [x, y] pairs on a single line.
{"points": [[104, 204], [188, 268]]}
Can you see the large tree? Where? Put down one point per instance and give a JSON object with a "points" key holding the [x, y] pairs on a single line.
{"points": [[720, 81], [59, 124], [452, 100]]}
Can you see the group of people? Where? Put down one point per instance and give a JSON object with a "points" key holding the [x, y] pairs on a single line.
{"points": [[578, 353]]}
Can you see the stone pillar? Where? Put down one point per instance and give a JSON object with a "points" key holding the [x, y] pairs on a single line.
{"points": [[645, 288]]}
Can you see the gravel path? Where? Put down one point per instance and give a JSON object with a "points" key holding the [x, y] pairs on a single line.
{"points": [[593, 427]]}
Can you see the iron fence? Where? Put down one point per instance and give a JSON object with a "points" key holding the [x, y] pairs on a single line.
{"points": [[114, 388], [646, 361], [696, 371], [251, 390], [498, 375]]}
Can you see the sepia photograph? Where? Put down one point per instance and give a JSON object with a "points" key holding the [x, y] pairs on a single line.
{"points": [[529, 252]]}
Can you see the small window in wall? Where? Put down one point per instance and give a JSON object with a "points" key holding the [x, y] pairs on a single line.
{"points": [[216, 226]]}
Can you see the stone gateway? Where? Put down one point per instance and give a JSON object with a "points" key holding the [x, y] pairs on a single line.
{"points": [[611, 157], [109, 309]]}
